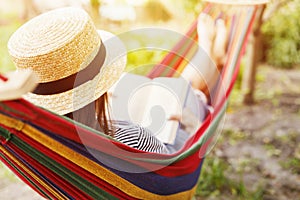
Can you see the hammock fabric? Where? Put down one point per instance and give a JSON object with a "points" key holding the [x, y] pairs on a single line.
{"points": [[47, 153]]}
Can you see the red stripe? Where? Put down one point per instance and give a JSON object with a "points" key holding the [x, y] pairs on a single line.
{"points": [[71, 166], [22, 177], [243, 49], [157, 71], [3, 78], [183, 56], [167, 60], [51, 176], [67, 130]]}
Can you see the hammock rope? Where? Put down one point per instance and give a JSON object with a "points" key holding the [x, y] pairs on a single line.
{"points": [[47, 153]]}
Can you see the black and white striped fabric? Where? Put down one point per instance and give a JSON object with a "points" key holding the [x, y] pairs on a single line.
{"points": [[138, 137]]}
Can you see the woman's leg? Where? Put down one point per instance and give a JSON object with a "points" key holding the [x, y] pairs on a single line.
{"points": [[203, 70]]}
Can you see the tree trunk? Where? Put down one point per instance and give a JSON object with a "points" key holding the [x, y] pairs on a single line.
{"points": [[253, 58]]}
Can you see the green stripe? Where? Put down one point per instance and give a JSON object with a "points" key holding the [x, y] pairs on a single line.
{"points": [[206, 135], [181, 51], [208, 132], [12, 110], [242, 39], [60, 170], [24, 176], [178, 54]]}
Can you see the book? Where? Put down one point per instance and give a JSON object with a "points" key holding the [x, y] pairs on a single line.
{"points": [[18, 83], [150, 103]]}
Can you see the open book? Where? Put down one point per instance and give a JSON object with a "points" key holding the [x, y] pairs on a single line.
{"points": [[17, 83], [150, 102]]}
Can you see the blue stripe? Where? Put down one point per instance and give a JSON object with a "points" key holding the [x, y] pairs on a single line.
{"points": [[36, 172], [148, 181]]}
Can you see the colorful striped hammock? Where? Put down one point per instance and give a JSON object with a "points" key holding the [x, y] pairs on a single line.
{"points": [[47, 153]]}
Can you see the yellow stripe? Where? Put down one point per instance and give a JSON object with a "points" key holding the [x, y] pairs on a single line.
{"points": [[188, 57], [234, 50], [85, 163], [53, 191]]}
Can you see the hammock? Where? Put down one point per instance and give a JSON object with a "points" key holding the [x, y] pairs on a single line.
{"points": [[47, 153]]}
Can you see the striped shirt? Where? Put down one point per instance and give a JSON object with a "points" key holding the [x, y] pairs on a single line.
{"points": [[138, 137], [142, 138]]}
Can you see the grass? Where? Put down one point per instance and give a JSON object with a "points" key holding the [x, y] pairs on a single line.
{"points": [[6, 31], [292, 164], [214, 183], [212, 179], [220, 179]]}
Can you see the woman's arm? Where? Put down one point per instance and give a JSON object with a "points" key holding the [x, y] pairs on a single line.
{"points": [[138, 137]]}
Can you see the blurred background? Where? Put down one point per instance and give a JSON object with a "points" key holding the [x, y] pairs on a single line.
{"points": [[257, 155]]}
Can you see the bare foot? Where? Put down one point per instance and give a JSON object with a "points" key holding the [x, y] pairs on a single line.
{"points": [[220, 43], [206, 32], [212, 39]]}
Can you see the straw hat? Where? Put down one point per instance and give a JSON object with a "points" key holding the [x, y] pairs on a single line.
{"points": [[75, 63]]}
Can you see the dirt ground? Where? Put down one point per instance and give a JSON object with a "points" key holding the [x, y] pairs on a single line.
{"points": [[262, 141]]}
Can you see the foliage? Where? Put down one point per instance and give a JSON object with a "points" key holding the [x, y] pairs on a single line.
{"points": [[193, 6], [146, 50], [282, 36], [212, 179], [141, 62], [95, 3], [292, 164], [5, 60], [156, 11]]}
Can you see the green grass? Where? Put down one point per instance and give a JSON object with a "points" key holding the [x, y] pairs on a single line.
{"points": [[213, 182], [292, 164], [6, 30], [216, 180]]}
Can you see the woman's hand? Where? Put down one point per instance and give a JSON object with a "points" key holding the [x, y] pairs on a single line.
{"points": [[190, 123]]}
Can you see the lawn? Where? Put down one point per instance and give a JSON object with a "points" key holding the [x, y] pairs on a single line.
{"points": [[6, 30]]}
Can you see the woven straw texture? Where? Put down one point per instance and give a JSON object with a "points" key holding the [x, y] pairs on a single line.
{"points": [[60, 43]]}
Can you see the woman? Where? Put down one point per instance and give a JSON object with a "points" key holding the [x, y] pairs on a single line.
{"points": [[76, 66]]}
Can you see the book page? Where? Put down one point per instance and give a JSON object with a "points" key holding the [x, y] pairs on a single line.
{"points": [[167, 97], [150, 103], [128, 99]]}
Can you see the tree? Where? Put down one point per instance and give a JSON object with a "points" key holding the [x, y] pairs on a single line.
{"points": [[254, 48], [254, 53], [156, 11]]}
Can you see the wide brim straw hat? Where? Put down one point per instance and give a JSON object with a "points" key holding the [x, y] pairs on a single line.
{"points": [[75, 62]]}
